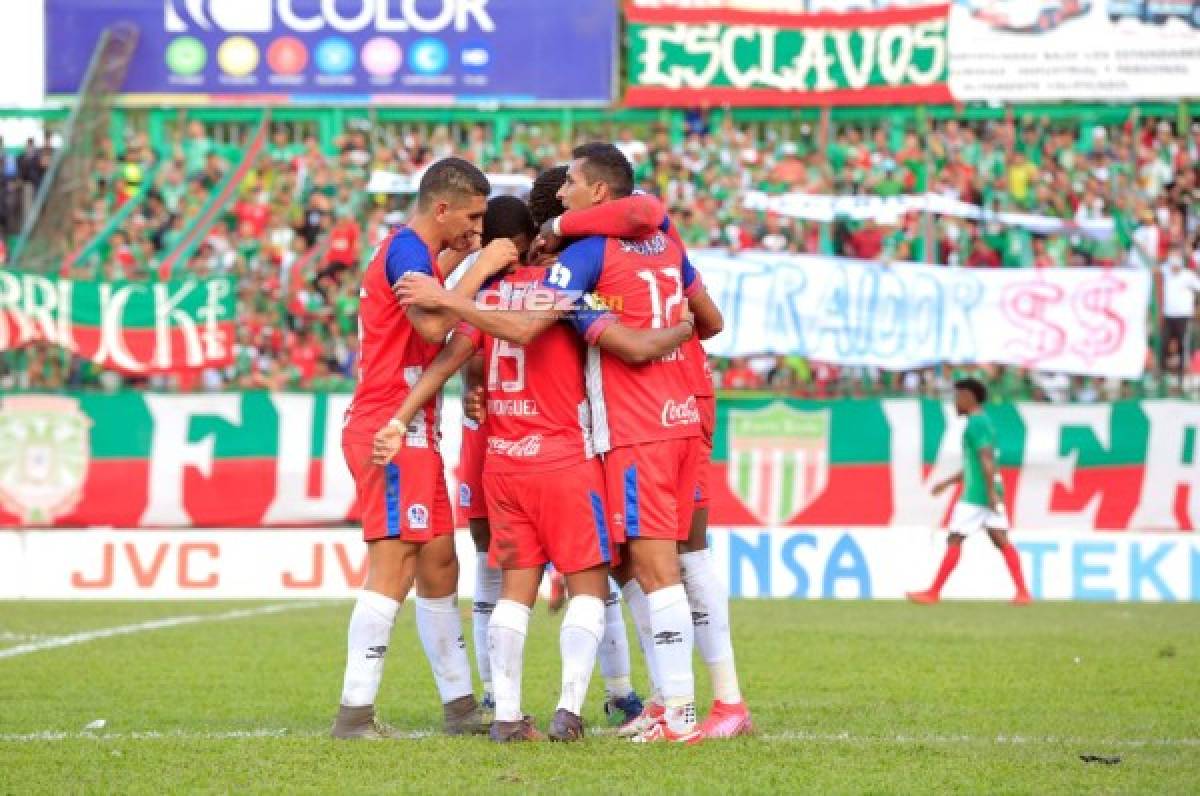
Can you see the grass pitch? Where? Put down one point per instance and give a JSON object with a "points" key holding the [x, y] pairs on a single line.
{"points": [[848, 698]]}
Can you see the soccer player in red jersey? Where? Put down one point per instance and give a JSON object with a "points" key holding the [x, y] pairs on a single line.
{"points": [[406, 514], [644, 415], [636, 217], [543, 484], [472, 512]]}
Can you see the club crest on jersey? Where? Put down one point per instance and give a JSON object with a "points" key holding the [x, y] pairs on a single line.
{"points": [[464, 496], [44, 454], [418, 517], [778, 459], [680, 414]]}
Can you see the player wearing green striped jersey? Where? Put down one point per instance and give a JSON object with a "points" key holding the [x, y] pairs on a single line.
{"points": [[980, 507]]}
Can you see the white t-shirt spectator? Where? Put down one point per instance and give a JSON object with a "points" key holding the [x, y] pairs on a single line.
{"points": [[1144, 251], [634, 151], [1180, 286]]}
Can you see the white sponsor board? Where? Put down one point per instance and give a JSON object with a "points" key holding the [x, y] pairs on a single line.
{"points": [[1074, 49], [901, 316], [825, 563]]}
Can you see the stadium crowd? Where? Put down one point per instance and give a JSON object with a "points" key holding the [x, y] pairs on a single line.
{"points": [[301, 224]]}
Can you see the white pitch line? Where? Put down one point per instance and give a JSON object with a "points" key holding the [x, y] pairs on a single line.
{"points": [[787, 737], [53, 642], [1000, 740], [154, 735]]}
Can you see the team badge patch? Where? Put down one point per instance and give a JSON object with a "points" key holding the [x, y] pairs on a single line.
{"points": [[464, 496], [418, 517]]}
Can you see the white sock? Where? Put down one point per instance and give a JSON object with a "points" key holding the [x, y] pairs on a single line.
{"points": [[709, 601], [366, 644], [506, 648], [614, 650], [582, 628], [673, 640], [487, 591], [639, 609], [440, 629]]}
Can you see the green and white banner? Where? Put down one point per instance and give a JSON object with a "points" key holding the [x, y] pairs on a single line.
{"points": [[850, 52]]}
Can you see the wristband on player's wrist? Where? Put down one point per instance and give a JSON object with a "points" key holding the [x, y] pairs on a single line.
{"points": [[395, 424]]}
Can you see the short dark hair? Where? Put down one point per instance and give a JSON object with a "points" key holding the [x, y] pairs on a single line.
{"points": [[605, 163], [544, 203], [452, 178], [973, 386], [506, 217]]}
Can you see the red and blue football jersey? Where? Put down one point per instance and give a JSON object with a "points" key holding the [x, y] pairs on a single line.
{"points": [[642, 283], [634, 217], [392, 354], [538, 416]]}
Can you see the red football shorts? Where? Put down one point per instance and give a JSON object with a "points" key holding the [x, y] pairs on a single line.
{"points": [[555, 516], [652, 488], [707, 404], [405, 499], [470, 504]]}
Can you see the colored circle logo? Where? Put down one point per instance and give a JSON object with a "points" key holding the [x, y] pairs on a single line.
{"points": [[381, 57], [287, 56], [186, 56], [237, 56], [428, 57], [335, 56], [476, 56]]}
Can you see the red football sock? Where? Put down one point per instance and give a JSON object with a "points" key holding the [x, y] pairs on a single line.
{"points": [[1013, 559], [949, 562]]}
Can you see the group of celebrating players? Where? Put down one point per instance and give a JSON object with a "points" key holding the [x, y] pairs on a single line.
{"points": [[577, 321]]}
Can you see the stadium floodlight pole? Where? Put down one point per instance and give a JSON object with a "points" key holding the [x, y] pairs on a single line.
{"points": [[42, 244]]}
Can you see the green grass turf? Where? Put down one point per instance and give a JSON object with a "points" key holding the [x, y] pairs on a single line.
{"points": [[848, 698]]}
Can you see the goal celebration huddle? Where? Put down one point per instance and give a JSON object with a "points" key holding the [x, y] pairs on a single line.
{"points": [[576, 319]]}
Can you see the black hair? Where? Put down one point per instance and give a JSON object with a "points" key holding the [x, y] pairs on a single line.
{"points": [[452, 178], [544, 203], [507, 217], [975, 387], [605, 163]]}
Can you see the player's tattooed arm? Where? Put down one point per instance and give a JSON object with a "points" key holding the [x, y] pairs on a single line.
{"points": [[433, 323], [638, 346], [946, 483], [389, 439], [515, 326]]}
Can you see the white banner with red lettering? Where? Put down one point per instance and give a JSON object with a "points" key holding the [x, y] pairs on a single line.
{"points": [[780, 562], [901, 316]]}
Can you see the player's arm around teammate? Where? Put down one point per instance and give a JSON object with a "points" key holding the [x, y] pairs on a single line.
{"points": [[521, 327]]}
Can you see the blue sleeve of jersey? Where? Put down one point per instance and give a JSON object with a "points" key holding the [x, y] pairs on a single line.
{"points": [[578, 267], [688, 272], [406, 254]]}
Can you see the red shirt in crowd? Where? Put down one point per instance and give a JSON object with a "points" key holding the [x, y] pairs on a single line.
{"points": [[867, 243], [343, 244], [252, 218], [739, 376]]}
